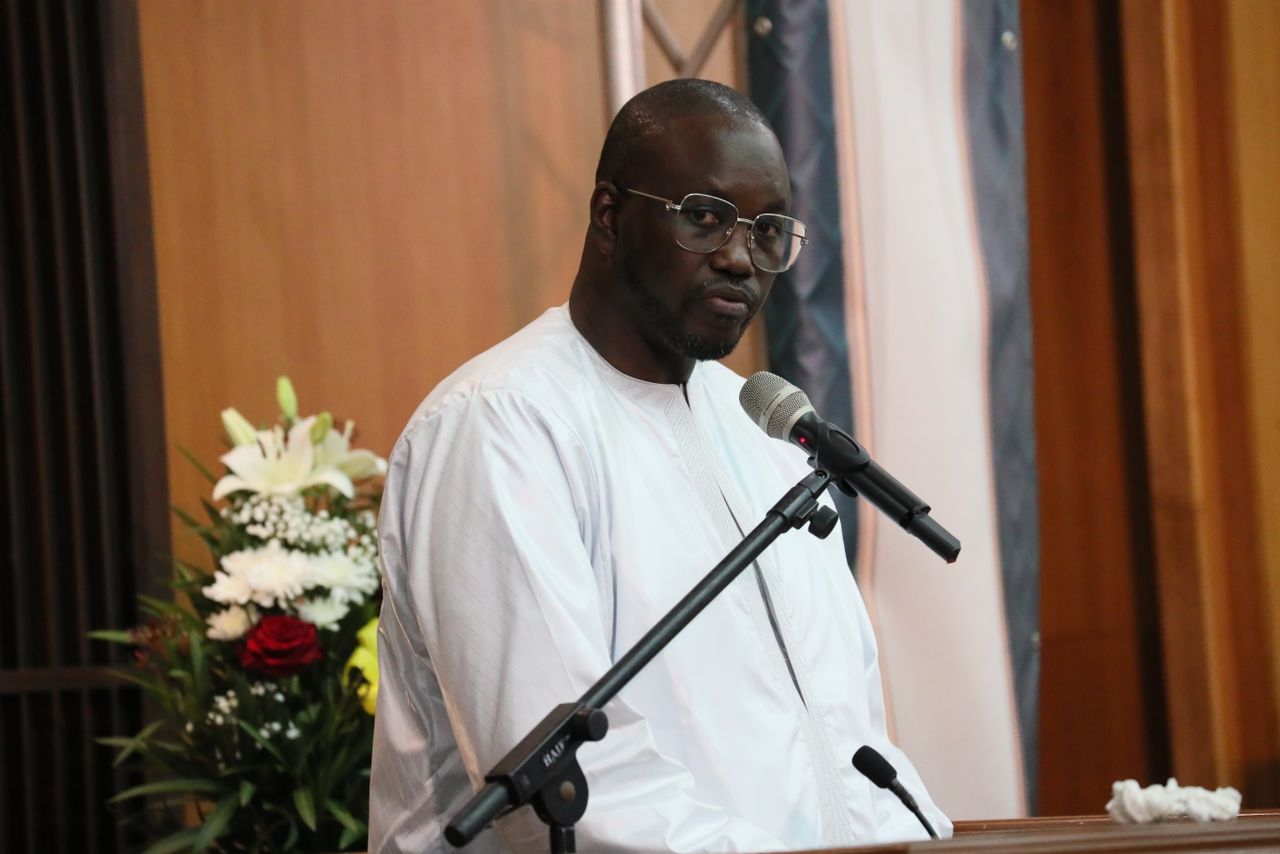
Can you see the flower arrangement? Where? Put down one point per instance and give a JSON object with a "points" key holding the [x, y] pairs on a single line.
{"points": [[265, 678]]}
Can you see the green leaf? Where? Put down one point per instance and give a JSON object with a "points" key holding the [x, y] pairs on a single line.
{"points": [[340, 813], [216, 823], [180, 841], [161, 787], [187, 572], [351, 835], [189, 520], [214, 514], [146, 731], [200, 467], [130, 746], [195, 640], [292, 839], [306, 807], [202, 531], [145, 684], [170, 746], [246, 792], [160, 607], [112, 636]]}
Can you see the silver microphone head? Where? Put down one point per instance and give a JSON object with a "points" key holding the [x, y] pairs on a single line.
{"points": [[773, 403]]}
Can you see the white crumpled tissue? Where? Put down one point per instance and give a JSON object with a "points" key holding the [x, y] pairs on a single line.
{"points": [[1132, 804]]}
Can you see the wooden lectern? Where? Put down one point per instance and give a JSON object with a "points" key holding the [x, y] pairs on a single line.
{"points": [[1252, 831]]}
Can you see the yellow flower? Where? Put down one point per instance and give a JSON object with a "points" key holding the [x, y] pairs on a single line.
{"points": [[365, 659]]}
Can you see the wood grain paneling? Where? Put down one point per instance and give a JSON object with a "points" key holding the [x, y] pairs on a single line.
{"points": [[1152, 139], [363, 195], [1198, 393], [1101, 715], [1253, 29], [358, 195]]}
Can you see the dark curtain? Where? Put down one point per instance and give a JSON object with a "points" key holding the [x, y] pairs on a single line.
{"points": [[83, 519]]}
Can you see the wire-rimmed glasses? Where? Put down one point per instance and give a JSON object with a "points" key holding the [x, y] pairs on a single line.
{"points": [[704, 223]]}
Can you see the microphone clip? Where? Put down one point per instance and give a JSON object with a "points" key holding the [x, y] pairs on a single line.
{"points": [[832, 450], [800, 506]]}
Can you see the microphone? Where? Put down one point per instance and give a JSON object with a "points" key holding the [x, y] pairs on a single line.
{"points": [[784, 412], [877, 769]]}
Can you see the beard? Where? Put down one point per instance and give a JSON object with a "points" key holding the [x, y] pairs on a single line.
{"points": [[669, 329]]}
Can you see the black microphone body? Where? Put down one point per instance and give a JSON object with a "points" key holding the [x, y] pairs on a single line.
{"points": [[877, 769], [854, 471]]}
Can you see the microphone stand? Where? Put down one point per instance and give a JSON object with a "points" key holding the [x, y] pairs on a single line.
{"points": [[542, 770]]}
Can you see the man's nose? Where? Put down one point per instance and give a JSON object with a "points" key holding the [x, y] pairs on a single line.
{"points": [[734, 257]]}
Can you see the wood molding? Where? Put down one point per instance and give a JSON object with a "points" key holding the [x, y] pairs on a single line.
{"points": [[1102, 697], [1221, 688]]}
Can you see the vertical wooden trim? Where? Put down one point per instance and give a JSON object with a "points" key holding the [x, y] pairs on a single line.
{"points": [[1101, 707], [1253, 35], [1220, 679], [1162, 285]]}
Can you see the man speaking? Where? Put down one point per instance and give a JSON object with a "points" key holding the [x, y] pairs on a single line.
{"points": [[555, 496]]}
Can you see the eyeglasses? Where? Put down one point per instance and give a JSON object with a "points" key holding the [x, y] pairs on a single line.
{"points": [[705, 223]]}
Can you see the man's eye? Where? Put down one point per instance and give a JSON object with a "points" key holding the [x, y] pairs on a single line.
{"points": [[768, 230], [702, 217]]}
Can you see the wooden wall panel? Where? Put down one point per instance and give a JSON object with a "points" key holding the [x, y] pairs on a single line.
{"points": [[362, 195], [1198, 392], [1101, 715], [1153, 146], [358, 195], [1253, 31]]}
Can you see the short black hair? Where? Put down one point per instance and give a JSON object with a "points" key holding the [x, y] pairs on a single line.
{"points": [[649, 114]]}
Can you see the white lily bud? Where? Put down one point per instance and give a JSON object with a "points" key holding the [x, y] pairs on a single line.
{"points": [[287, 398], [323, 424], [239, 430]]}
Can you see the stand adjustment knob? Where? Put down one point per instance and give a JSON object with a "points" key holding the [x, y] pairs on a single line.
{"points": [[823, 522]]}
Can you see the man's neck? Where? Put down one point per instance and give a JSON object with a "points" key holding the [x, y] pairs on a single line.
{"points": [[618, 342]]}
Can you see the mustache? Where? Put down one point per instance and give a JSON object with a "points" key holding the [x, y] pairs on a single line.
{"points": [[728, 289]]}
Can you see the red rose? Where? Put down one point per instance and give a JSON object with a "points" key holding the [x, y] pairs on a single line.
{"points": [[280, 646]]}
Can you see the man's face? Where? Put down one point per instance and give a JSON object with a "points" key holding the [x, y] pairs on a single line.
{"points": [[683, 302]]}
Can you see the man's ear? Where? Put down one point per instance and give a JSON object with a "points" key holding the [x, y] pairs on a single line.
{"points": [[604, 216]]}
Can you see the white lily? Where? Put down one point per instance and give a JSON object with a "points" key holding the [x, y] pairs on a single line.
{"points": [[334, 449], [239, 430], [280, 465]]}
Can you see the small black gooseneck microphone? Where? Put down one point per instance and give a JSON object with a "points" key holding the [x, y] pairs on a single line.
{"points": [[877, 769]]}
